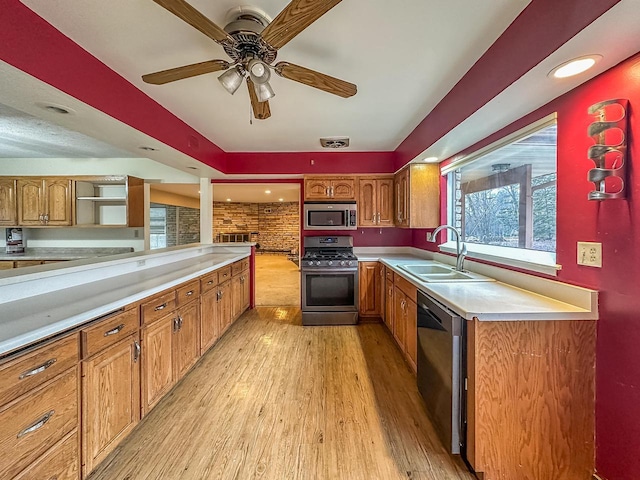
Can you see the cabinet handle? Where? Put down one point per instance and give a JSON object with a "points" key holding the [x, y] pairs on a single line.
{"points": [[38, 369], [136, 351], [114, 331], [161, 307], [46, 218], [37, 425], [189, 293], [180, 323], [41, 218], [326, 192], [175, 325], [210, 282], [378, 218], [332, 191]]}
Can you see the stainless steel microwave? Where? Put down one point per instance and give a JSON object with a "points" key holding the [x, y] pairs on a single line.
{"points": [[330, 216]]}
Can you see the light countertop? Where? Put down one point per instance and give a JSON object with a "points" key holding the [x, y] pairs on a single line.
{"points": [[490, 301], [29, 320], [57, 253]]}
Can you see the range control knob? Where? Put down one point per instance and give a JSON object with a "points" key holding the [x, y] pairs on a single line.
{"points": [[343, 263], [329, 262], [350, 263]]}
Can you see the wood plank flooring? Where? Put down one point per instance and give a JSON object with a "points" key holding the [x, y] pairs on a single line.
{"points": [[275, 400]]}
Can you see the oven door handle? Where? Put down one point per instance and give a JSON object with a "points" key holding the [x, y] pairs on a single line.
{"points": [[309, 271]]}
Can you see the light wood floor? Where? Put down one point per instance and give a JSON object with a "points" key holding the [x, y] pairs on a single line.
{"points": [[277, 281], [275, 400]]}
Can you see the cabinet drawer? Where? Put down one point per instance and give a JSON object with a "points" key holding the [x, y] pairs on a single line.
{"points": [[36, 421], [407, 287], [187, 292], [239, 266], [36, 367], [158, 306], [59, 463], [224, 274], [108, 332], [208, 281]]}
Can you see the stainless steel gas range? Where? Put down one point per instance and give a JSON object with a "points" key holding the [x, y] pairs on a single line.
{"points": [[329, 283]]}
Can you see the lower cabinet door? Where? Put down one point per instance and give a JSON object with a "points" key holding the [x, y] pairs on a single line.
{"points": [[411, 333], [60, 462], [110, 399], [224, 306], [399, 318], [209, 326], [157, 361], [389, 306], [187, 345]]}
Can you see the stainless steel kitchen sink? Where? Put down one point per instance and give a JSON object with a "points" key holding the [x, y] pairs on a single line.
{"points": [[432, 272]]}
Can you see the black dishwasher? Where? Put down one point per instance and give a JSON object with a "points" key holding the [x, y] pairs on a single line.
{"points": [[441, 364]]}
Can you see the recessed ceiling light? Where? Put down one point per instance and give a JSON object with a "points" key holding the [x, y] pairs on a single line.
{"points": [[267, 192], [148, 149], [281, 199], [430, 159], [575, 66], [228, 199], [56, 108]]}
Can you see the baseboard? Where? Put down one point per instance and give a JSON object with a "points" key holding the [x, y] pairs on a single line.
{"points": [[362, 319]]}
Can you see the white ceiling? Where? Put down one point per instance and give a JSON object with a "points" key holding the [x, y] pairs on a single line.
{"points": [[396, 52], [23, 92]]}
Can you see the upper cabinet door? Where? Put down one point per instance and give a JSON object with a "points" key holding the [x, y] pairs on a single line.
{"points": [[343, 189], [30, 200], [367, 211], [8, 210], [57, 198], [317, 188], [385, 202]]}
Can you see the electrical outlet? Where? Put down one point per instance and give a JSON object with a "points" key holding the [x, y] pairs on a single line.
{"points": [[590, 254], [429, 236]]}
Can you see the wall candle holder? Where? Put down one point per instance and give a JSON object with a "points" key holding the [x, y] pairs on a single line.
{"points": [[609, 154]]}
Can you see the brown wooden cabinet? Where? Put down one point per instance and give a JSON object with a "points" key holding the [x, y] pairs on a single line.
{"points": [[224, 313], [110, 399], [530, 399], [330, 188], [8, 207], [405, 312], [240, 288], [209, 324], [417, 196], [186, 342], [44, 201], [375, 202], [108, 201], [36, 421], [370, 287], [389, 303], [157, 361]]}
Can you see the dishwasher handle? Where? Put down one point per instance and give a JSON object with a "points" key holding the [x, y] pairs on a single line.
{"points": [[426, 319]]}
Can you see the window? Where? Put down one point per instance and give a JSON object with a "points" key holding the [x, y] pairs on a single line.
{"points": [[158, 227], [503, 199]]}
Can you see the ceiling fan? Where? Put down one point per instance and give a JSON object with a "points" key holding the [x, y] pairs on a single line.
{"points": [[252, 43]]}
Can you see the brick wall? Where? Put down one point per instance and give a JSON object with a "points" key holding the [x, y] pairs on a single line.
{"points": [[278, 223], [183, 225], [279, 226]]}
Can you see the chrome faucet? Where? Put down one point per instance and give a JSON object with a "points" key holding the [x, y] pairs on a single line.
{"points": [[461, 252]]}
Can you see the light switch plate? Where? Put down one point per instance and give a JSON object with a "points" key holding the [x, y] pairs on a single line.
{"points": [[590, 254]]}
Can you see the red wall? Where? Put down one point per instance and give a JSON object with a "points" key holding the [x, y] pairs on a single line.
{"points": [[616, 224]]}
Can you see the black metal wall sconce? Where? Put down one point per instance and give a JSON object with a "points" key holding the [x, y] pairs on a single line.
{"points": [[609, 153]]}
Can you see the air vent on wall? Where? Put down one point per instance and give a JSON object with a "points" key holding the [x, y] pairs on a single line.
{"points": [[335, 142]]}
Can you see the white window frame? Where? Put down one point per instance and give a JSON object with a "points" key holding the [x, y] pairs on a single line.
{"points": [[535, 261]]}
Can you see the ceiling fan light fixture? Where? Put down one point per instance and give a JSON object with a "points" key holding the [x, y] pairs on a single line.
{"points": [[231, 80], [258, 71], [264, 91]]}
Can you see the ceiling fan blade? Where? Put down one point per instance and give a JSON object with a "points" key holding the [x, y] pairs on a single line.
{"points": [[316, 79], [193, 17], [296, 16], [178, 73], [261, 110]]}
